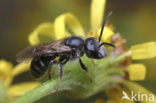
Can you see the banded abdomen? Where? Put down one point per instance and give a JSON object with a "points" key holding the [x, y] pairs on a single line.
{"points": [[39, 65]]}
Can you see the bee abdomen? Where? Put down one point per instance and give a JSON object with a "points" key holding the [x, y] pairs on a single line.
{"points": [[38, 67]]}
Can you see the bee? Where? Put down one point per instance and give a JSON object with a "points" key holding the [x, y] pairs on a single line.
{"points": [[68, 49]]}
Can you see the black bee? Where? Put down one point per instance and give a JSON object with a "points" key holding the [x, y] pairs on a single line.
{"points": [[71, 48]]}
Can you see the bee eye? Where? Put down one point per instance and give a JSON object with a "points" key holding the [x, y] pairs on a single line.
{"points": [[91, 44], [93, 50]]}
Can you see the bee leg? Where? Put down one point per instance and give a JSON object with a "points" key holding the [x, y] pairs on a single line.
{"points": [[85, 68], [50, 68], [61, 74]]}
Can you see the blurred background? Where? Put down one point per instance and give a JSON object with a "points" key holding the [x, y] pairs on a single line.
{"points": [[135, 20]]}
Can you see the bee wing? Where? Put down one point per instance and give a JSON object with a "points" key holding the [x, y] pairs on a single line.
{"points": [[26, 54], [41, 49]]}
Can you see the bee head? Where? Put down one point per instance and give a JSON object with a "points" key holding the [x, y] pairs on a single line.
{"points": [[93, 48]]}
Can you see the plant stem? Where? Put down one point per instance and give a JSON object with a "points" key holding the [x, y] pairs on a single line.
{"points": [[78, 84], [41, 91], [121, 57]]}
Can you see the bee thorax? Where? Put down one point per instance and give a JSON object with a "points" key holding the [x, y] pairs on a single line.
{"points": [[76, 54]]}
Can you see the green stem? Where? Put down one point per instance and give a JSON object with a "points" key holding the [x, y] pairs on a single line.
{"points": [[121, 57], [41, 91], [76, 81]]}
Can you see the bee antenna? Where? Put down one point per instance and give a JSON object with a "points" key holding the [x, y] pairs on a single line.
{"points": [[109, 14], [109, 44]]}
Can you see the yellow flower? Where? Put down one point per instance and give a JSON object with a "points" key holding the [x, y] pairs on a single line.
{"points": [[7, 74], [57, 30], [5, 71], [131, 86], [130, 89], [137, 71], [115, 95], [99, 101], [144, 51]]}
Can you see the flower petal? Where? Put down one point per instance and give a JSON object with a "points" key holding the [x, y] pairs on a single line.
{"points": [[115, 95], [20, 68], [5, 72], [107, 34], [3, 96], [99, 101], [8, 80], [144, 51], [97, 11], [136, 88], [73, 23], [5, 67], [137, 72], [20, 89], [44, 32]]}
